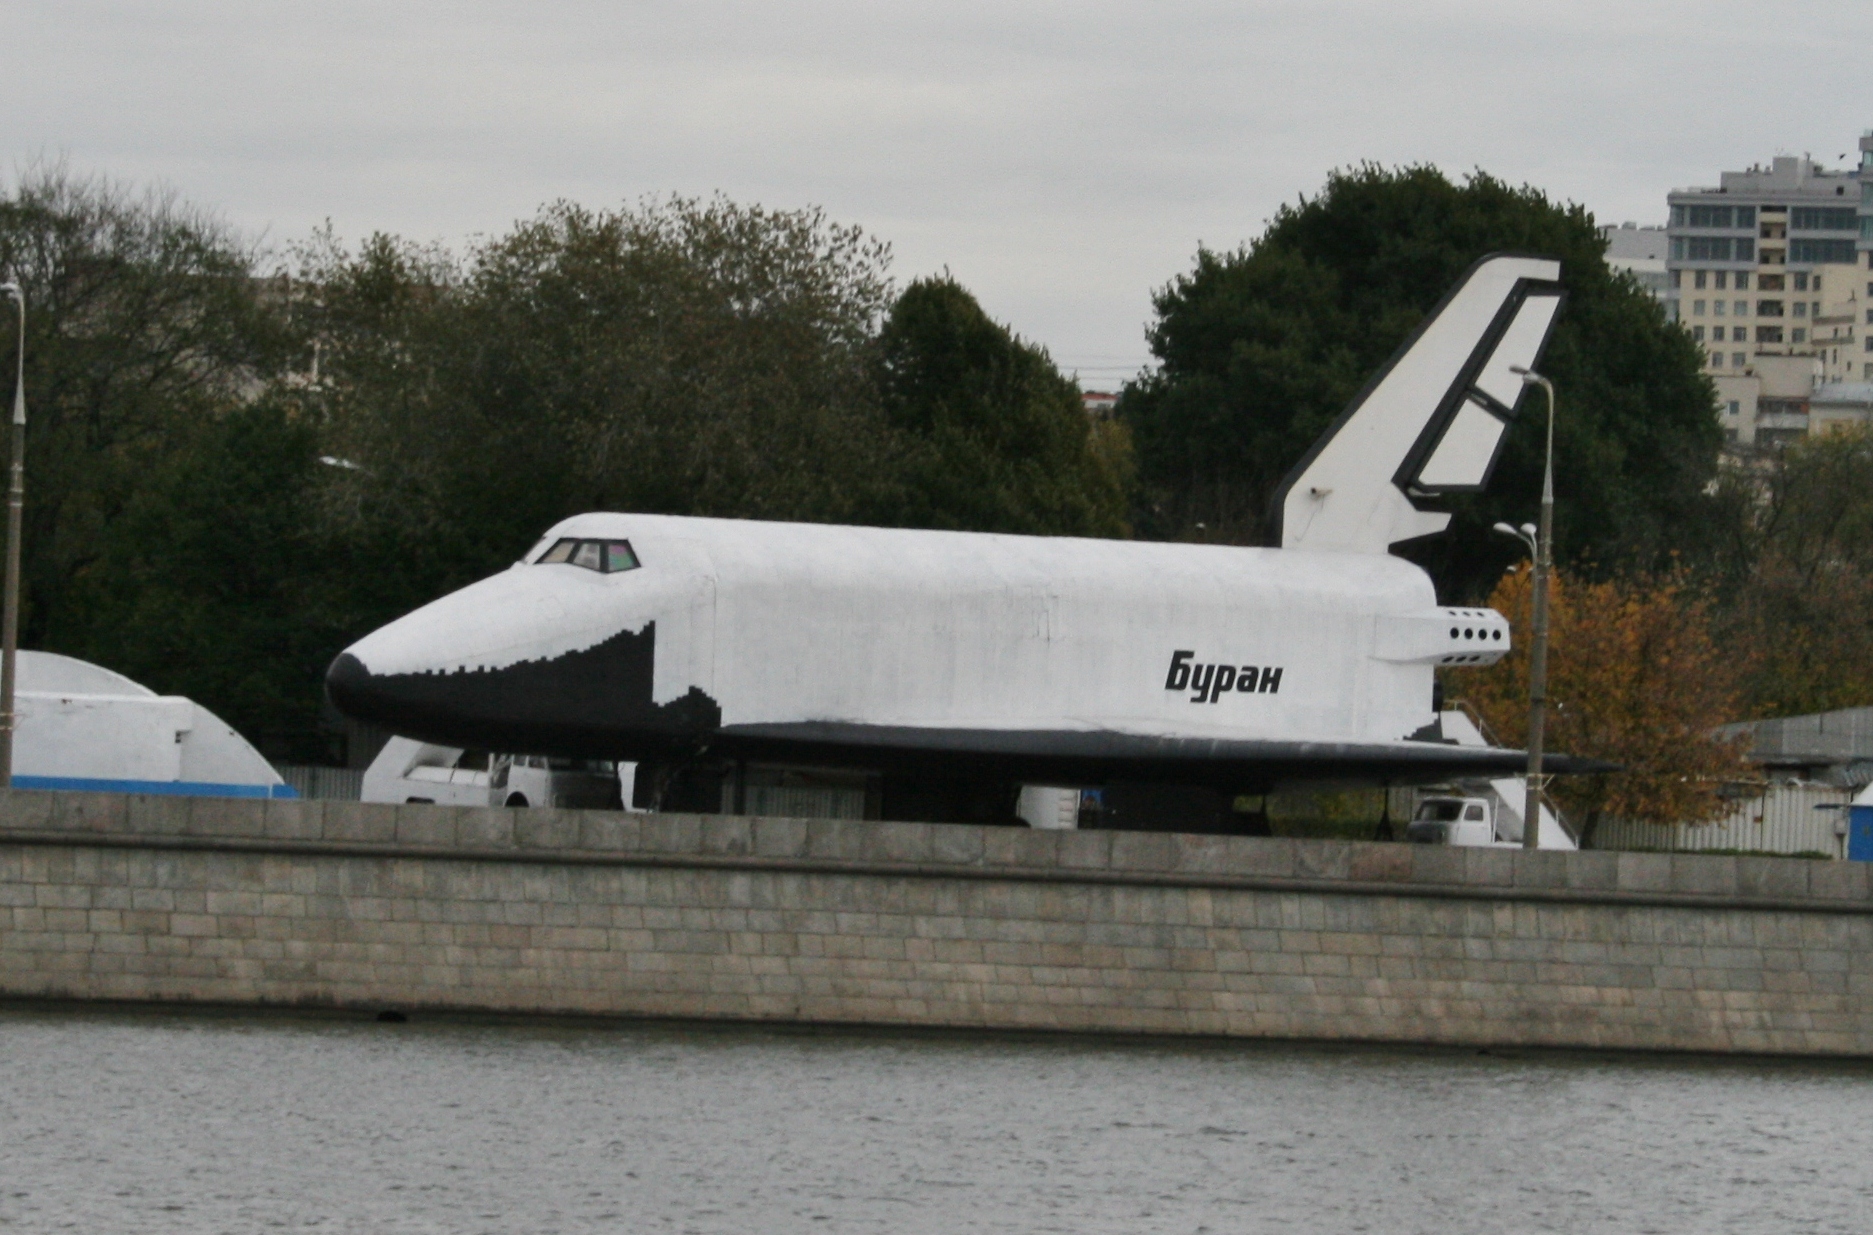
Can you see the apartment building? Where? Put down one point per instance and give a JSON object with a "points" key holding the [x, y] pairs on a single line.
{"points": [[1640, 252], [1769, 272]]}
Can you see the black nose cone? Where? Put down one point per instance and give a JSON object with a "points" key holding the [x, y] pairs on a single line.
{"points": [[352, 689]]}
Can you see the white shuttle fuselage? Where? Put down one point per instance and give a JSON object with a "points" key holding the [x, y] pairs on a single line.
{"points": [[1038, 659]]}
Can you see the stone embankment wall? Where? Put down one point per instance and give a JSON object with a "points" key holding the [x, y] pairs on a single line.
{"points": [[410, 907]]}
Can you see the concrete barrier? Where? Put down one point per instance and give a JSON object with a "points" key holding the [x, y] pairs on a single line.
{"points": [[340, 903]]}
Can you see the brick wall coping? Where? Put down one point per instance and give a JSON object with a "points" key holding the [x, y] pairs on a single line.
{"points": [[956, 851]]}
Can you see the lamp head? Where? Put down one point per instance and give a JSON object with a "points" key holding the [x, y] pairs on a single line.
{"points": [[1528, 530]]}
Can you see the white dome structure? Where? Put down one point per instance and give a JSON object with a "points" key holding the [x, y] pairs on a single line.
{"points": [[82, 726]]}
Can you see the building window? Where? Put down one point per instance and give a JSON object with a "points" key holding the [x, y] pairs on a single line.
{"points": [[1816, 306], [1699, 275], [1773, 283], [1820, 252], [1867, 372], [1697, 308], [1723, 277], [1801, 308], [1742, 280], [1798, 335], [1697, 334], [1742, 308], [1677, 279], [1765, 308], [1738, 360], [1768, 334], [1822, 219], [1716, 360], [1736, 408], [1716, 308]]}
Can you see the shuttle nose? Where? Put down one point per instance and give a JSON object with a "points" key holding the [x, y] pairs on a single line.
{"points": [[358, 693], [511, 665]]}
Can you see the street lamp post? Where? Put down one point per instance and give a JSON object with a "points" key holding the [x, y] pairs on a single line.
{"points": [[16, 499], [1538, 651]]}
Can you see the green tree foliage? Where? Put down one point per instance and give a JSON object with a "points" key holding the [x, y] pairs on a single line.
{"points": [[142, 321], [1261, 348], [992, 437], [677, 357], [215, 582], [1794, 579]]}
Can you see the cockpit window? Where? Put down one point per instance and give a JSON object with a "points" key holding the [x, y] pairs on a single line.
{"points": [[605, 556], [618, 556]]}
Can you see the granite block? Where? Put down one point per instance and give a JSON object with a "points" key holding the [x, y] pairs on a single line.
{"points": [[423, 823], [1085, 850], [29, 810], [1322, 859], [836, 839], [780, 838], [1845, 881], [1772, 877], [1266, 856], [156, 814], [1703, 874], [1436, 864], [727, 835], [958, 844], [1380, 863], [299, 819], [898, 842], [486, 827], [1593, 871], [88, 812], [669, 833], [1539, 868], [1143, 851], [241, 818], [609, 831], [363, 822], [1020, 847], [1645, 872]]}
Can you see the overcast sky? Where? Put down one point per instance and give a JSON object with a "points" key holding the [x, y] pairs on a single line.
{"points": [[1062, 160]]}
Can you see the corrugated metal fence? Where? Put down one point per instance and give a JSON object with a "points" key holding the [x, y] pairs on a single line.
{"points": [[1781, 819], [331, 784]]}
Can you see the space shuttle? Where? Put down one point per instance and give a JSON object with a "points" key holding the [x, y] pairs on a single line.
{"points": [[950, 668]]}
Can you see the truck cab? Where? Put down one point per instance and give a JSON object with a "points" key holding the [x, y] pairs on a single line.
{"points": [[1452, 820], [410, 771]]}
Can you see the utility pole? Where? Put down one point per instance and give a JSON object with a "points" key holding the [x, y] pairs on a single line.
{"points": [[16, 500], [1538, 653]]}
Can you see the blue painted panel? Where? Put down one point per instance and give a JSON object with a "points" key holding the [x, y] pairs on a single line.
{"points": [[1860, 833], [183, 788]]}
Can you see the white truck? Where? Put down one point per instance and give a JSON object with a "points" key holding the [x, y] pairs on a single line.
{"points": [[410, 771], [1482, 815]]}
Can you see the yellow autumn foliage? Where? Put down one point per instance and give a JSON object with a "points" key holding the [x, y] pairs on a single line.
{"points": [[1634, 677]]}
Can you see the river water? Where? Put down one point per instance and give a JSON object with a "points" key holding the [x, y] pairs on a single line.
{"points": [[222, 1123]]}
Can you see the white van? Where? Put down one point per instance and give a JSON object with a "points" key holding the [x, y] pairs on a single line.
{"points": [[410, 771]]}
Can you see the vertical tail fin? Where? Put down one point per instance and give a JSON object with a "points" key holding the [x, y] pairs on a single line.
{"points": [[1431, 422]]}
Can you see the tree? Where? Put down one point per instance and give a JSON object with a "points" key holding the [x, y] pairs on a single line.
{"points": [[1795, 577], [215, 580], [1261, 348], [1635, 677], [144, 319], [992, 436], [678, 357]]}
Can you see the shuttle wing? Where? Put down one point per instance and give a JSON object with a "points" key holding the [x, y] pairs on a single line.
{"points": [[1093, 756], [1431, 422]]}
